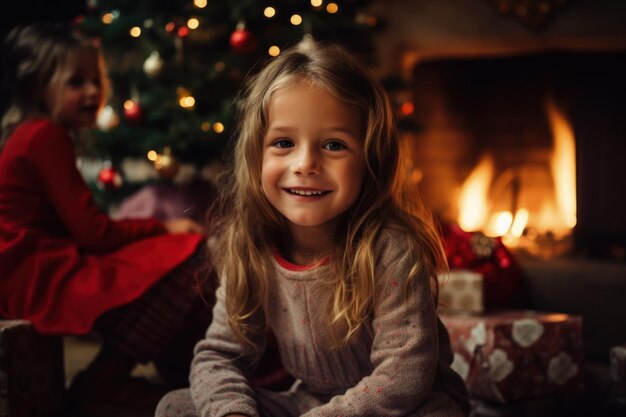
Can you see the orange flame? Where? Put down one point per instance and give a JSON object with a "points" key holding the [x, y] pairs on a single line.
{"points": [[473, 196], [563, 165], [556, 213]]}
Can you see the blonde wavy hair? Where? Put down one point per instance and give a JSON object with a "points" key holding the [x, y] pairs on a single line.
{"points": [[35, 59], [248, 225]]}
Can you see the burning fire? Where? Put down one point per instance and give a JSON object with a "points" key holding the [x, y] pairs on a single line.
{"points": [[555, 214], [474, 195], [563, 165]]}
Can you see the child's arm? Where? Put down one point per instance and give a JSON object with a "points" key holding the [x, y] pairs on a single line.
{"points": [[404, 350], [182, 225], [51, 155], [220, 372]]}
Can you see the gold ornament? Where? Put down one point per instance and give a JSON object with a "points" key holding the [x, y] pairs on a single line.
{"points": [[166, 165]]}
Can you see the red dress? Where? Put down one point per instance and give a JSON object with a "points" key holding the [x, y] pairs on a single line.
{"points": [[63, 262]]}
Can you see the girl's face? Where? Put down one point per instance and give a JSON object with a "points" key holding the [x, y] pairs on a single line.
{"points": [[313, 161], [74, 99]]}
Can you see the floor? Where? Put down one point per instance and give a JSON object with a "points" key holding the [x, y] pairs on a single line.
{"points": [[79, 351]]}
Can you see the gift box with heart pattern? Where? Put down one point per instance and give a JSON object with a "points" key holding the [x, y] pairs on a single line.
{"points": [[506, 356]]}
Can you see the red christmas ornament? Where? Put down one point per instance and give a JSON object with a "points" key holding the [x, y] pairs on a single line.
{"points": [[109, 179], [133, 112], [243, 41]]}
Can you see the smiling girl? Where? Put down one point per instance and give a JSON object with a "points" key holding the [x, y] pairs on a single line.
{"points": [[321, 244]]}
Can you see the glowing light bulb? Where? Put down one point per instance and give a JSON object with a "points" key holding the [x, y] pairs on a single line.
{"points": [[193, 23], [152, 155], [107, 18], [269, 12], [274, 50], [296, 19], [200, 4], [187, 102], [218, 127], [407, 108], [332, 8], [316, 3], [135, 31]]}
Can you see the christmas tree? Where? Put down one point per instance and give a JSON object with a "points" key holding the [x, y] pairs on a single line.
{"points": [[176, 67]]}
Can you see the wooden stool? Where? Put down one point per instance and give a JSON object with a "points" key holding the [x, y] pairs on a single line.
{"points": [[32, 375]]}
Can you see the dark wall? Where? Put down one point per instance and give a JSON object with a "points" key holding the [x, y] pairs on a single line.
{"points": [[38, 10], [35, 11], [600, 130]]}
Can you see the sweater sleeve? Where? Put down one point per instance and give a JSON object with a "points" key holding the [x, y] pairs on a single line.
{"points": [[52, 156], [404, 349], [220, 371]]}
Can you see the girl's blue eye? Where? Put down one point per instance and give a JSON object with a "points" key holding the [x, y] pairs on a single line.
{"points": [[334, 146], [283, 143]]}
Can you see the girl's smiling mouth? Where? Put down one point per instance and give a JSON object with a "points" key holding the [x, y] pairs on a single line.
{"points": [[306, 192]]}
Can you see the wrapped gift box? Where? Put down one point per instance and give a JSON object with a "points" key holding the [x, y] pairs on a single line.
{"points": [[461, 290], [512, 355], [618, 364], [502, 275], [617, 372], [32, 377]]}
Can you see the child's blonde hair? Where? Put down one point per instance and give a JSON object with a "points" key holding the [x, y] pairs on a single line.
{"points": [[249, 225], [36, 56]]}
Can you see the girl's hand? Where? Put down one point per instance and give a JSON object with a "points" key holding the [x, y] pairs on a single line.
{"points": [[182, 225]]}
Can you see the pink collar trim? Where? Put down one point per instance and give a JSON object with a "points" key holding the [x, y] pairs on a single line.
{"points": [[294, 267]]}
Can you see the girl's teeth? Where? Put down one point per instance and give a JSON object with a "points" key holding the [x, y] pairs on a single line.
{"points": [[299, 192]]}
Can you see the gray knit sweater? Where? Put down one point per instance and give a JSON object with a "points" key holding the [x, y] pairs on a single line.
{"points": [[396, 361]]}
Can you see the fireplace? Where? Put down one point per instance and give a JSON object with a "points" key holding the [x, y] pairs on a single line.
{"points": [[523, 90], [530, 147], [478, 84]]}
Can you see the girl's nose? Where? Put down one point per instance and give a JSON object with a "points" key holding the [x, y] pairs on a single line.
{"points": [[307, 162], [93, 88]]}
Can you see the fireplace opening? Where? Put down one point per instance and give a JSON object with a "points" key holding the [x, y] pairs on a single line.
{"points": [[530, 147]]}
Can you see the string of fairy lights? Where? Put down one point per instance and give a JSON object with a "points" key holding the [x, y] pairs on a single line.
{"points": [[242, 40]]}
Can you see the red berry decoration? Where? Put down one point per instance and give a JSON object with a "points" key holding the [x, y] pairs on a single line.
{"points": [[133, 112], [243, 41], [109, 179]]}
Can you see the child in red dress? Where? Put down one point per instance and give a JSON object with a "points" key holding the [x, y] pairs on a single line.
{"points": [[64, 264]]}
